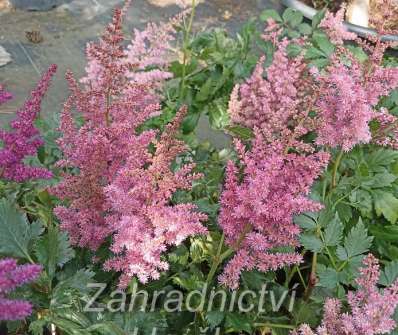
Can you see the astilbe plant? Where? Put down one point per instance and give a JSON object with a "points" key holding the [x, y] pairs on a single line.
{"points": [[114, 186], [370, 311], [143, 219], [257, 209], [24, 139], [13, 276], [284, 104]]}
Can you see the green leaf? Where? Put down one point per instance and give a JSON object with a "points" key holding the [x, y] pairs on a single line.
{"points": [[53, 250], [242, 132], [292, 17], [333, 232], [305, 222], [16, 233], [238, 322], [214, 318], [328, 277], [316, 20], [356, 243], [311, 242], [270, 13], [324, 44], [305, 28], [314, 53], [390, 274], [386, 204], [293, 50]]}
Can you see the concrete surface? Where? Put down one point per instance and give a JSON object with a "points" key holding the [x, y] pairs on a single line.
{"points": [[67, 29]]}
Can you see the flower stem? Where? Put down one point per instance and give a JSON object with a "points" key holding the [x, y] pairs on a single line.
{"points": [[187, 33], [275, 325], [336, 167]]}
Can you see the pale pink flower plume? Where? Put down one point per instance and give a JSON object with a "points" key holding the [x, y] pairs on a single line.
{"points": [[371, 310], [257, 208]]}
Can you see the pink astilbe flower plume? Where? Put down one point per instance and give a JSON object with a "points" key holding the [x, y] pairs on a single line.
{"points": [[371, 311], [143, 218], [115, 100], [114, 186], [11, 277], [349, 90], [24, 138], [257, 212]]}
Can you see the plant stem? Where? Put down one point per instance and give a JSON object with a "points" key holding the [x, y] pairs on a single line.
{"points": [[216, 261], [336, 167], [275, 325], [312, 278], [187, 33]]}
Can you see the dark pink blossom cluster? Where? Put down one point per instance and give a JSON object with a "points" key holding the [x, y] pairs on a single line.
{"points": [[371, 311], [4, 95], [257, 208], [24, 138], [11, 277], [115, 187]]}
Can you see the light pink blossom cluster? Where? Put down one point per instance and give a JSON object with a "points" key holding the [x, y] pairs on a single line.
{"points": [[143, 218], [11, 277], [24, 138], [115, 187], [257, 208], [333, 25], [371, 311], [343, 96]]}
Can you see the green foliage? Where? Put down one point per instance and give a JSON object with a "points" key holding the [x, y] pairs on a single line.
{"points": [[360, 211]]}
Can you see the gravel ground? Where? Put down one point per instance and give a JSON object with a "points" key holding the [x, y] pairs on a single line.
{"points": [[66, 30]]}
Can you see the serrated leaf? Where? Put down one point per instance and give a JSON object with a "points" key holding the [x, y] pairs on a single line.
{"points": [[293, 50], [333, 232], [314, 53], [292, 17], [311, 242], [305, 28], [242, 132], [270, 13], [386, 204], [328, 277], [238, 322], [53, 249], [316, 20], [324, 44], [305, 222], [356, 243], [214, 318], [390, 274], [16, 233]]}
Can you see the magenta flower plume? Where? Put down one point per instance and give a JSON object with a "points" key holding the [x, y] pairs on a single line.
{"points": [[24, 138], [11, 277], [143, 218], [4, 95], [257, 213], [371, 311]]}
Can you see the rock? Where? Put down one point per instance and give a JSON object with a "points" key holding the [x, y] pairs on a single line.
{"points": [[39, 5], [5, 57]]}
